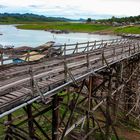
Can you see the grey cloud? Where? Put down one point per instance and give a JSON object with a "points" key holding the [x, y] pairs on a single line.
{"points": [[58, 7], [35, 6], [3, 6]]}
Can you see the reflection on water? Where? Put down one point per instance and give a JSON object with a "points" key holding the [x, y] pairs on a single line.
{"points": [[34, 38]]}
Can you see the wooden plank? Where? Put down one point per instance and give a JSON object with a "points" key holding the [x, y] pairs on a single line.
{"points": [[9, 96], [42, 84], [76, 63], [57, 78], [17, 94], [2, 101], [5, 98], [25, 91]]}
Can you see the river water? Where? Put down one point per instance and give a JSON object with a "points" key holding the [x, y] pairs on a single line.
{"points": [[33, 38]]}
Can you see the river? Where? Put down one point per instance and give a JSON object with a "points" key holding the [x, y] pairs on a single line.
{"points": [[33, 38]]}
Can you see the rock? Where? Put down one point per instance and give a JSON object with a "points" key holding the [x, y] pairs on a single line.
{"points": [[58, 31]]}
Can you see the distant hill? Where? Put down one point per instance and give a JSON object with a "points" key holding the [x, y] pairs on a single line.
{"points": [[16, 17]]}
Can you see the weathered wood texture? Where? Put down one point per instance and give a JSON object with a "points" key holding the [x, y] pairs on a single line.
{"points": [[15, 81], [98, 84]]}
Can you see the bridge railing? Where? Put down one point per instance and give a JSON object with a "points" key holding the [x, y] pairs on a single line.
{"points": [[64, 50], [89, 58], [92, 59], [78, 65], [103, 57], [88, 46]]}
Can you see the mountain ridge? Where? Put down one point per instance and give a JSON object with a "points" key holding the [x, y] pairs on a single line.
{"points": [[29, 17]]}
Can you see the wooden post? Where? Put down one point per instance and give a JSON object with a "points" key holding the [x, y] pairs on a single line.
{"points": [[103, 57], [134, 48], [138, 47], [122, 49], [28, 56], [77, 47], [65, 64], [94, 46], [114, 53], [30, 121], [31, 81], [9, 130], [87, 55], [129, 50], [49, 53], [87, 58], [55, 117], [101, 45], [61, 51], [64, 50], [108, 119], [1, 57], [65, 70], [89, 105], [88, 46]]}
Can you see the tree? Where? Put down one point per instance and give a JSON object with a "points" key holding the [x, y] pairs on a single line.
{"points": [[113, 19], [89, 20]]}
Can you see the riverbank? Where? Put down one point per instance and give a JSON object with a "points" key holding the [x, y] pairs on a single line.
{"points": [[128, 30], [82, 28], [70, 27]]}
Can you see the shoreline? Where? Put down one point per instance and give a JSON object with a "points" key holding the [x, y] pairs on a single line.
{"points": [[70, 27], [103, 32], [69, 31], [114, 31], [99, 29]]}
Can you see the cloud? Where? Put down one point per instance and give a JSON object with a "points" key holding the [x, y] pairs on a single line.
{"points": [[33, 6], [36, 6], [73, 8], [2, 6]]}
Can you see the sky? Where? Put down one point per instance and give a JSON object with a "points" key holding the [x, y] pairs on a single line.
{"points": [[74, 9]]}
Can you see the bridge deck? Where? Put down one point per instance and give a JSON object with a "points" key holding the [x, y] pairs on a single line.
{"points": [[21, 83]]}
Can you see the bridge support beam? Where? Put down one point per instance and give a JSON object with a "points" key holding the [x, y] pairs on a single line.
{"points": [[9, 130], [30, 121], [90, 88], [55, 117], [92, 105]]}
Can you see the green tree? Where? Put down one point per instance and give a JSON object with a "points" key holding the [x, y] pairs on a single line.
{"points": [[89, 20], [113, 19]]}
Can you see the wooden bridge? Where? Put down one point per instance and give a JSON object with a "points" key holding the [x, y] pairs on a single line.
{"points": [[78, 95]]}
